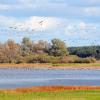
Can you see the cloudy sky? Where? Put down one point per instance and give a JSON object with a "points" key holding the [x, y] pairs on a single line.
{"points": [[77, 22]]}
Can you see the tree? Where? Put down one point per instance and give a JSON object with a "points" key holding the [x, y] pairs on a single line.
{"points": [[40, 46], [58, 48], [26, 42], [85, 51], [9, 52], [26, 46]]}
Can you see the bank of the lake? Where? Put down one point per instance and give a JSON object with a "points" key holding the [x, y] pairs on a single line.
{"points": [[53, 66]]}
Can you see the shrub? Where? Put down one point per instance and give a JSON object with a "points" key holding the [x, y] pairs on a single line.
{"points": [[85, 60], [68, 59], [38, 58], [43, 58]]}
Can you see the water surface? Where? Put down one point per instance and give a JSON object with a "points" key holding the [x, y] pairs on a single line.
{"points": [[16, 78]]}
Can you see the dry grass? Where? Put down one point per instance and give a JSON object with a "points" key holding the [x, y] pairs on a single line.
{"points": [[49, 89], [53, 66], [24, 65]]}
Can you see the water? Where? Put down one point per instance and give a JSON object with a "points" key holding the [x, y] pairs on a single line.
{"points": [[16, 78]]}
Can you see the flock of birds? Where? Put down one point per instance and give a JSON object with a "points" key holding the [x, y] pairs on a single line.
{"points": [[20, 28]]}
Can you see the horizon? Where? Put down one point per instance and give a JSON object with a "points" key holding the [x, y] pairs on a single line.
{"points": [[77, 23]]}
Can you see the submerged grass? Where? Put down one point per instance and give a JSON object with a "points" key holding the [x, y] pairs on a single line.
{"points": [[60, 95]]}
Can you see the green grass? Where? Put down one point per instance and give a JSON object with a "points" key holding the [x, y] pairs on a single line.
{"points": [[77, 65], [62, 95]]}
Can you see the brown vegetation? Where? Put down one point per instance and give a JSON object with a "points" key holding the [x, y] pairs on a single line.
{"points": [[49, 89], [52, 66], [38, 52]]}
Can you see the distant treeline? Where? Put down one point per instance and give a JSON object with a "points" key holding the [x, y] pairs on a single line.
{"points": [[85, 51], [56, 51]]}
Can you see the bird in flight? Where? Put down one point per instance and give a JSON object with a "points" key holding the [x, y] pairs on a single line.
{"points": [[41, 22], [10, 27]]}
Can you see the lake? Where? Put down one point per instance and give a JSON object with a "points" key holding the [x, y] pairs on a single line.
{"points": [[16, 78]]}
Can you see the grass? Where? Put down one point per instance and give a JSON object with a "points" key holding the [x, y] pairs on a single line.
{"points": [[60, 95], [46, 65], [53, 66], [78, 65]]}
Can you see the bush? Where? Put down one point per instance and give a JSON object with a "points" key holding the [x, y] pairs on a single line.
{"points": [[38, 58], [42, 58], [45, 58], [85, 60]]}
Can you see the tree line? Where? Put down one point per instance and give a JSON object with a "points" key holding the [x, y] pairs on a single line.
{"points": [[56, 51], [32, 51], [85, 51]]}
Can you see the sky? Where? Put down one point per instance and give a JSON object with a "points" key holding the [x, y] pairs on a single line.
{"points": [[76, 22]]}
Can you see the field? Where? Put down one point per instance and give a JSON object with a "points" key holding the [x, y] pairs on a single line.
{"points": [[60, 95]]}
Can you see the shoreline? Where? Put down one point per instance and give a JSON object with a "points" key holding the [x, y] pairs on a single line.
{"points": [[67, 66], [49, 89]]}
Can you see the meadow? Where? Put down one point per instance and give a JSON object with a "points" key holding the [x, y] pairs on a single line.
{"points": [[58, 95]]}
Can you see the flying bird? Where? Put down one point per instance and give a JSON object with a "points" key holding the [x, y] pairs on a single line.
{"points": [[41, 23], [33, 30], [10, 27]]}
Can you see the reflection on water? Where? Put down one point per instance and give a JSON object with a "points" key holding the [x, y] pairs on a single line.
{"points": [[13, 78]]}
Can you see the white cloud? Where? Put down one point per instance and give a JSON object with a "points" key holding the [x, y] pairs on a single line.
{"points": [[81, 30], [87, 26], [53, 8], [92, 11], [39, 23], [31, 23], [47, 24], [32, 5], [82, 25], [51, 27]]}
